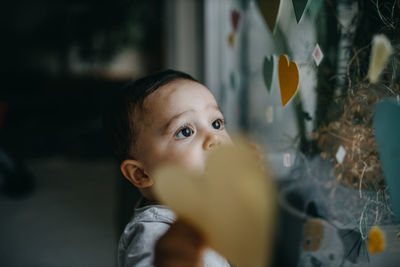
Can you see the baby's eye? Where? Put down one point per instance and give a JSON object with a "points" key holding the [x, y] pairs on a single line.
{"points": [[218, 124], [184, 133]]}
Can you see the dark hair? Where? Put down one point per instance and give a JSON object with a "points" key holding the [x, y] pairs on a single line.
{"points": [[118, 116]]}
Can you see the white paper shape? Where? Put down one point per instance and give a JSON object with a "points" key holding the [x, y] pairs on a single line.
{"points": [[270, 114], [340, 154], [287, 160], [317, 55]]}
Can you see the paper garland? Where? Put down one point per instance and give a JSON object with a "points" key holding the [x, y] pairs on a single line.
{"points": [[270, 8]]}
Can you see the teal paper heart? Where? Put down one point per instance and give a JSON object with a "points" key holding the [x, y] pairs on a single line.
{"points": [[387, 135], [232, 80], [268, 71], [299, 7]]}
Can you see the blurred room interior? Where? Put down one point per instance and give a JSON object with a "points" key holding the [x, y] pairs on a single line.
{"points": [[63, 202]]}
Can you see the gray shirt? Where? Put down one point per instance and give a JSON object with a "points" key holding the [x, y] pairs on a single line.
{"points": [[149, 223]]}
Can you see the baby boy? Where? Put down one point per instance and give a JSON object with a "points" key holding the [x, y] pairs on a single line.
{"points": [[167, 117]]}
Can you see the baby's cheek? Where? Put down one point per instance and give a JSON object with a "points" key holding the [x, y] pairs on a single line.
{"points": [[191, 158]]}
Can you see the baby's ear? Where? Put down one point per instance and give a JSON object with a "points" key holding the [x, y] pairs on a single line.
{"points": [[134, 171]]}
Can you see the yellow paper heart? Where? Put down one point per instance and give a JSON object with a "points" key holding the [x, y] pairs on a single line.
{"points": [[231, 39], [232, 203], [288, 78]]}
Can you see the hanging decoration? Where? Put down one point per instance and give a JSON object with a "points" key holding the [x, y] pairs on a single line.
{"points": [[299, 7], [268, 71], [288, 78], [269, 114], [235, 20], [387, 132], [317, 55], [269, 10], [381, 50]]}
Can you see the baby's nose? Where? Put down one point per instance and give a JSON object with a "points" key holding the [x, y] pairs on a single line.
{"points": [[211, 142]]}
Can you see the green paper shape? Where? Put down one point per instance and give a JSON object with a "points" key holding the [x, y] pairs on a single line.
{"points": [[268, 71], [232, 80], [387, 135], [314, 8], [269, 10], [299, 7]]}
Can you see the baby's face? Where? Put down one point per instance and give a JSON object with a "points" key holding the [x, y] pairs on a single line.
{"points": [[180, 124]]}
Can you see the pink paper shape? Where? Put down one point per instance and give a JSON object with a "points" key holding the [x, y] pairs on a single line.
{"points": [[235, 17], [317, 55]]}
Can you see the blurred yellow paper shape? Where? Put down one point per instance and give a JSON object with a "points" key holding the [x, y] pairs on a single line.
{"points": [[232, 203], [288, 78], [380, 53], [376, 240], [231, 39]]}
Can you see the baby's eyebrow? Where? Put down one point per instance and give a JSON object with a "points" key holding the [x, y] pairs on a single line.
{"points": [[216, 108], [166, 126]]}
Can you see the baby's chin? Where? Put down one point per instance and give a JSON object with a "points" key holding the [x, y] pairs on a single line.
{"points": [[193, 168]]}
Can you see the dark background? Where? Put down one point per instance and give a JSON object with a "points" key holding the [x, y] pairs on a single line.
{"points": [[48, 101], [62, 200]]}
